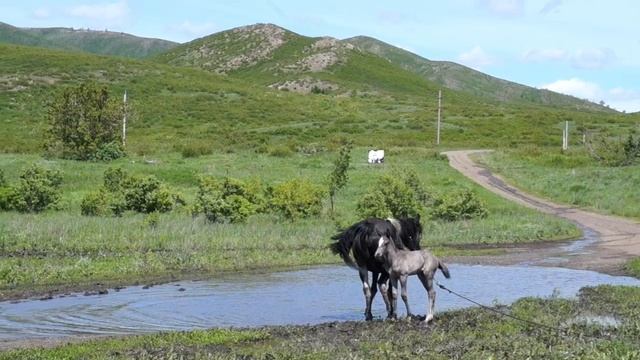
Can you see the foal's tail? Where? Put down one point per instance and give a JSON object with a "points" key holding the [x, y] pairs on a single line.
{"points": [[343, 243], [444, 269]]}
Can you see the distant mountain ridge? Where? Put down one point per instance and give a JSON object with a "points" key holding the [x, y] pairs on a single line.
{"points": [[272, 56], [294, 60], [91, 41], [458, 77]]}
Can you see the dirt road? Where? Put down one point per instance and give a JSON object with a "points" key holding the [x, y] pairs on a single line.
{"points": [[610, 241]]}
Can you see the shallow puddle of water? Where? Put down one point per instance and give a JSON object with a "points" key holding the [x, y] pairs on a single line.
{"points": [[315, 295]]}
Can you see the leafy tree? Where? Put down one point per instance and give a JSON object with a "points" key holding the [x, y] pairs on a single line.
{"points": [[338, 178], [84, 124]]}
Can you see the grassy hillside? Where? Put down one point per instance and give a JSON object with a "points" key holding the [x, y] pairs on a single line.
{"points": [[96, 42], [458, 77], [376, 105]]}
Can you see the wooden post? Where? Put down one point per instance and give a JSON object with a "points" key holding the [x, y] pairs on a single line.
{"points": [[565, 136], [124, 121], [439, 114]]}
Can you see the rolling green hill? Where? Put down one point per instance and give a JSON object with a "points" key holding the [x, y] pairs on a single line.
{"points": [[96, 42], [292, 94], [280, 58], [458, 77]]}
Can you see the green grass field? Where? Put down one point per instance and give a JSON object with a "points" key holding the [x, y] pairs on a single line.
{"points": [[64, 248], [571, 178]]}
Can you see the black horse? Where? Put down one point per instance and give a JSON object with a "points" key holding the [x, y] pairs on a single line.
{"points": [[362, 239]]}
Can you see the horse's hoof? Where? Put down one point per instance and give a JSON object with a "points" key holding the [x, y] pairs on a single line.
{"points": [[368, 317], [429, 318]]}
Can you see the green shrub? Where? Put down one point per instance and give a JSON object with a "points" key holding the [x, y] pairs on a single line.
{"points": [[95, 203], [228, 200], [115, 179], [390, 197], [6, 198], [152, 220], [109, 151], [147, 194], [195, 150], [297, 198], [37, 190], [459, 205], [280, 151], [3, 181]]}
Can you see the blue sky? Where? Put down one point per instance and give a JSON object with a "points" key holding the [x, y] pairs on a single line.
{"points": [[587, 48]]}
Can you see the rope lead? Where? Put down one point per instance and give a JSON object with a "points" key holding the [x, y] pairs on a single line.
{"points": [[530, 322]]}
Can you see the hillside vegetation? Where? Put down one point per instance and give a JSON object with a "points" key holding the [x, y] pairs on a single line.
{"points": [[458, 77], [371, 101], [91, 41]]}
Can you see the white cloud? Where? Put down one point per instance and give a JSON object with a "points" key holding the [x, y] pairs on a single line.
{"points": [[41, 13], [545, 55], [596, 58], [618, 98], [114, 12], [195, 29], [504, 7], [550, 6], [624, 99], [476, 58], [591, 58], [576, 87]]}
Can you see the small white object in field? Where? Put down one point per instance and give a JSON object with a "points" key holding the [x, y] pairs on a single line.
{"points": [[375, 157]]}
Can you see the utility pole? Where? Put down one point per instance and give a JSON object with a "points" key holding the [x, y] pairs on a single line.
{"points": [[124, 121], [565, 136], [439, 114]]}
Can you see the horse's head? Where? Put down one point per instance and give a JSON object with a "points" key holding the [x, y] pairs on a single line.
{"points": [[382, 248]]}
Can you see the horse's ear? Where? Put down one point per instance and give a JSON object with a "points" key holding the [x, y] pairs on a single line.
{"points": [[418, 217]]}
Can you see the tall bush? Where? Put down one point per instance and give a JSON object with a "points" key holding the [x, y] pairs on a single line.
{"points": [[228, 199], [146, 194], [459, 205], [37, 190], [390, 197], [121, 192], [297, 198]]}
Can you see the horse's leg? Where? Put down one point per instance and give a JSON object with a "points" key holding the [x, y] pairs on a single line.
{"points": [[364, 277], [374, 285], [382, 284], [393, 282], [403, 293], [427, 281]]}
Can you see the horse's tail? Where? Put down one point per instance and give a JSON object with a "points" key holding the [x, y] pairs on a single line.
{"points": [[342, 245], [444, 269]]}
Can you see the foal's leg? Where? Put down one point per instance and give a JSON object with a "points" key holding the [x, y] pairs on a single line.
{"points": [[382, 285], [364, 277], [427, 280], [403, 284]]}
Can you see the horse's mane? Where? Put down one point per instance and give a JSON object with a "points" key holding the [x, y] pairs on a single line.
{"points": [[409, 231]]}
